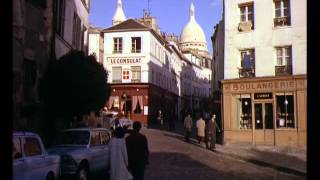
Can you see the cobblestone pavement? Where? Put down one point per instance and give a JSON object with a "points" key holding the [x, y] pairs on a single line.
{"points": [[173, 159]]}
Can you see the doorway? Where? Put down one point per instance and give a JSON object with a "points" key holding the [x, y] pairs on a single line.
{"points": [[264, 123]]}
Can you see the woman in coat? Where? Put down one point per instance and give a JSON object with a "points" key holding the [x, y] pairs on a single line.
{"points": [[119, 157], [201, 124]]}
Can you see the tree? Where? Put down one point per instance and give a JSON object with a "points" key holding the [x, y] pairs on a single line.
{"points": [[75, 85]]}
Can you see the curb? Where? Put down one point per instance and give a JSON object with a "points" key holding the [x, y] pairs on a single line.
{"points": [[265, 164]]}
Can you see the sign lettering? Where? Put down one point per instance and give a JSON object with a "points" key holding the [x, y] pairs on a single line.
{"points": [[129, 60]]}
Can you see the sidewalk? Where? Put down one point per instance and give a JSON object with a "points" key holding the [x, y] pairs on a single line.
{"points": [[286, 159]]}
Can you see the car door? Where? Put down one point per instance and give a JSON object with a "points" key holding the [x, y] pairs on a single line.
{"points": [[19, 163], [105, 138], [96, 151], [35, 158]]}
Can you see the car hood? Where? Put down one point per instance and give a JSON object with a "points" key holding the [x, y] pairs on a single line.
{"points": [[67, 149]]}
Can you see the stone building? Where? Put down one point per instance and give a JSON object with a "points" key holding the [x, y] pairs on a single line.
{"points": [[42, 31], [265, 79]]}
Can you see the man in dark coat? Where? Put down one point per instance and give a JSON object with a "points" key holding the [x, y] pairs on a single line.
{"points": [[211, 133], [138, 152]]}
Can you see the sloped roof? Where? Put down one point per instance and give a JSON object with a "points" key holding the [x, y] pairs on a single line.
{"points": [[127, 25]]}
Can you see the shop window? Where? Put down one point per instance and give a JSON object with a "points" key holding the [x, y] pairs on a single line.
{"points": [[117, 45], [116, 74], [243, 111], [137, 100], [285, 111], [136, 73]]}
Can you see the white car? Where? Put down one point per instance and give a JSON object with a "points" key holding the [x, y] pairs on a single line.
{"points": [[83, 151], [30, 159]]}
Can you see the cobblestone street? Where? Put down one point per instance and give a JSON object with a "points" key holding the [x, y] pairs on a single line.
{"points": [[171, 159]]}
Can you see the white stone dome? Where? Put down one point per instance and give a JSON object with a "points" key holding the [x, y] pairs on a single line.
{"points": [[119, 14], [192, 36]]}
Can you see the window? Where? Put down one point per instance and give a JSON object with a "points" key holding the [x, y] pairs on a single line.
{"points": [[136, 73], [29, 79], [76, 35], [32, 147], [282, 12], [83, 31], [137, 104], [243, 111], [117, 45], [105, 138], [285, 110], [246, 17], [247, 63], [116, 74], [60, 12], [136, 44], [95, 139], [283, 64], [126, 74], [16, 150]]}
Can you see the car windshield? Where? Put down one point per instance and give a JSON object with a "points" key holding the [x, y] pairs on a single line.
{"points": [[75, 137]]}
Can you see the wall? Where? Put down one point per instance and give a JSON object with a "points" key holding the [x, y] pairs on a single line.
{"points": [[264, 37]]}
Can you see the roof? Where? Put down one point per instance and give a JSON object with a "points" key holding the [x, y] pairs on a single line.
{"points": [[127, 25], [133, 25]]}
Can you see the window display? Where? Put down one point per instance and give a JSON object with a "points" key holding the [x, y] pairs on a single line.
{"points": [[285, 111]]}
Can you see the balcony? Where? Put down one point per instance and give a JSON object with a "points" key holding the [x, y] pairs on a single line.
{"points": [[283, 70], [246, 72], [281, 21]]}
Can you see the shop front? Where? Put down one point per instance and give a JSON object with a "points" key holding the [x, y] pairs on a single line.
{"points": [[268, 110], [141, 102]]}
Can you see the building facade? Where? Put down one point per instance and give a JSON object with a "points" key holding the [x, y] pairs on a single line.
{"points": [[148, 70], [42, 31], [140, 71], [95, 46], [265, 81]]}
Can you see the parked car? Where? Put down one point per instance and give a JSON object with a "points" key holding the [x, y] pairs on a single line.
{"points": [[83, 151], [30, 159]]}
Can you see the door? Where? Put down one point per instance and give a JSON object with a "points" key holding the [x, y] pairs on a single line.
{"points": [[264, 128]]}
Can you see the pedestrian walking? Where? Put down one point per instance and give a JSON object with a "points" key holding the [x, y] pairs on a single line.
{"points": [[201, 124], [138, 151], [211, 133], [188, 127], [119, 157]]}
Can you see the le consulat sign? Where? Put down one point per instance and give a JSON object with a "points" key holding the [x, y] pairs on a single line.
{"points": [[124, 60]]}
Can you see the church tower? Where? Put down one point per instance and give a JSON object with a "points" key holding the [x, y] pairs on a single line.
{"points": [[118, 15]]}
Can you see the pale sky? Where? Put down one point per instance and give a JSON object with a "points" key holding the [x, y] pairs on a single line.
{"points": [[172, 15]]}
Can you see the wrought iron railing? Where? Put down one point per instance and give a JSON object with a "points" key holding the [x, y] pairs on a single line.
{"points": [[246, 72], [283, 70]]}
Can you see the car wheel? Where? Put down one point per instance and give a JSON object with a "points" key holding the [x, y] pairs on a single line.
{"points": [[50, 176], [83, 173]]}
